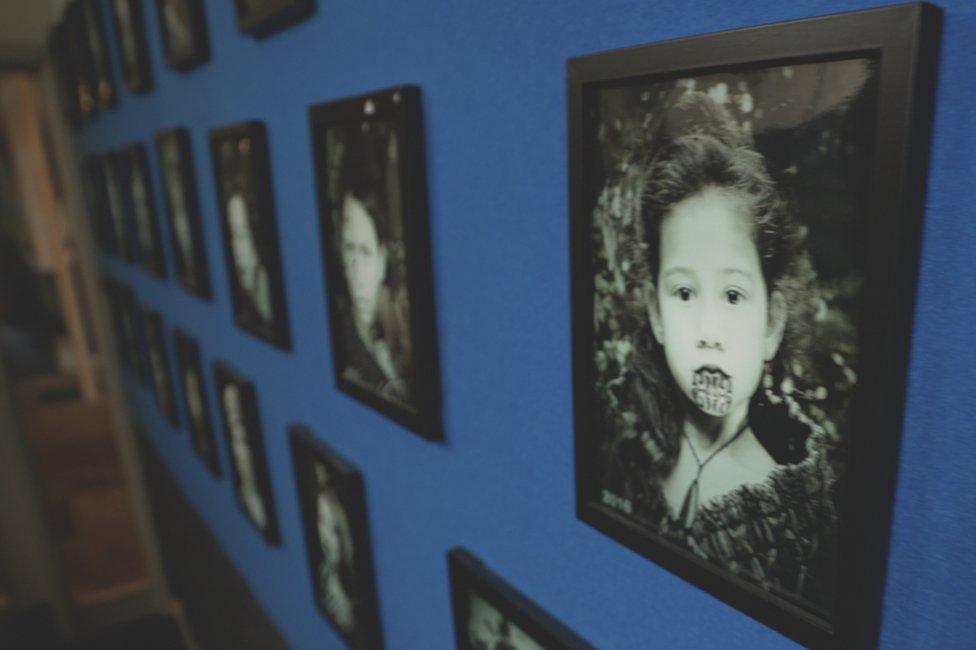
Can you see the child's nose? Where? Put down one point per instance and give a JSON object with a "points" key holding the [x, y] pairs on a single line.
{"points": [[711, 327]]}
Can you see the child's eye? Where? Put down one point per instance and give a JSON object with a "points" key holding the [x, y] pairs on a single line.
{"points": [[734, 296], [683, 293]]}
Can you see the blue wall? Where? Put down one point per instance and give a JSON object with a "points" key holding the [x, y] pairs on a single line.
{"points": [[493, 78]]}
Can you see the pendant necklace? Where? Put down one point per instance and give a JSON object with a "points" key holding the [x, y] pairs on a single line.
{"points": [[689, 506]]}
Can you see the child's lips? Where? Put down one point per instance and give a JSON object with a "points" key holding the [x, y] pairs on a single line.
{"points": [[711, 390]]}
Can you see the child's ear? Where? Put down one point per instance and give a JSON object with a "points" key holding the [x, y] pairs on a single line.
{"points": [[775, 324], [654, 312]]}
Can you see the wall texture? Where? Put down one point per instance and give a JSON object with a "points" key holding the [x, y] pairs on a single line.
{"points": [[493, 78]]}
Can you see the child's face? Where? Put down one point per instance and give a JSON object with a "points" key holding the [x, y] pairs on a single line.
{"points": [[712, 313]]}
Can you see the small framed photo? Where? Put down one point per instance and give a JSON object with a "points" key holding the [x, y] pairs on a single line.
{"points": [[242, 431], [184, 28], [261, 17], [371, 181], [195, 400], [130, 30], [80, 62], [243, 181], [490, 613], [115, 204], [186, 228], [113, 299], [332, 503], [94, 27], [744, 256], [135, 168], [96, 202], [162, 378], [130, 334], [60, 51]]}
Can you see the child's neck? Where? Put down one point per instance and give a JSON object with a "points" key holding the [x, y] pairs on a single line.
{"points": [[706, 431]]}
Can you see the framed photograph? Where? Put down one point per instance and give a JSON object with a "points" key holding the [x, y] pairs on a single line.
{"points": [[261, 17], [184, 28], [130, 31], [195, 400], [135, 169], [79, 61], [242, 429], [113, 299], [162, 378], [243, 181], [490, 613], [59, 52], [332, 502], [745, 210], [128, 327], [115, 204], [186, 228], [371, 181], [96, 203], [94, 25]]}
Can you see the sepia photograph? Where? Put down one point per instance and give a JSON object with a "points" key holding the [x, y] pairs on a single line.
{"points": [[180, 194], [723, 238], [242, 432], [159, 367], [262, 17], [184, 30], [490, 614], [244, 195], [135, 167], [130, 31], [195, 401], [373, 212], [332, 503]]}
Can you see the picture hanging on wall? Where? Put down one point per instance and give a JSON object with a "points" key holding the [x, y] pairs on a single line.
{"points": [[744, 246], [261, 17], [371, 181], [130, 331], [242, 431], [113, 300], [96, 203], [97, 43], [186, 228], [243, 180], [195, 400], [332, 503], [115, 203], [184, 27], [79, 61], [130, 31], [135, 165], [490, 613], [59, 52], [162, 378]]}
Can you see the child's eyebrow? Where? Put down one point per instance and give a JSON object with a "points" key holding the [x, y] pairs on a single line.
{"points": [[677, 270], [731, 270]]}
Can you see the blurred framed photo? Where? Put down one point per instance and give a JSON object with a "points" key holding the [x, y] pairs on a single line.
{"points": [[490, 613], [79, 61], [135, 169], [371, 181], [195, 401], [94, 28], [60, 50], [332, 503], [243, 181], [162, 378], [261, 17], [242, 432], [130, 31], [186, 228], [744, 248], [184, 28], [119, 226], [96, 203]]}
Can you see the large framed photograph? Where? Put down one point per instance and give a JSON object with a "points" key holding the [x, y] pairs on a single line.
{"points": [[97, 43], [243, 180], [745, 210], [332, 502], [195, 400], [186, 227], [184, 28], [242, 431], [130, 31], [490, 613], [371, 181], [261, 17], [121, 244], [135, 168], [162, 378]]}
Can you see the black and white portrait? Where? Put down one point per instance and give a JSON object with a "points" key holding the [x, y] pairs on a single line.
{"points": [[242, 428], [374, 218], [179, 190], [132, 325], [159, 366], [333, 508], [184, 29], [94, 27], [130, 31], [115, 204], [148, 237], [195, 400], [726, 219], [240, 157], [261, 17]]}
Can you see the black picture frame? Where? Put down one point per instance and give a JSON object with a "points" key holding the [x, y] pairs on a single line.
{"points": [[325, 479], [80, 62], [513, 614], [134, 163], [129, 329], [394, 116], [242, 174], [96, 203], [59, 53], [159, 366], [130, 37], [252, 484], [262, 17], [195, 404], [115, 203], [183, 25], [905, 38], [97, 43], [175, 160]]}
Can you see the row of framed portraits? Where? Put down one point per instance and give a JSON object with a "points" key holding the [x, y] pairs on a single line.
{"points": [[744, 241], [488, 612], [79, 45]]}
